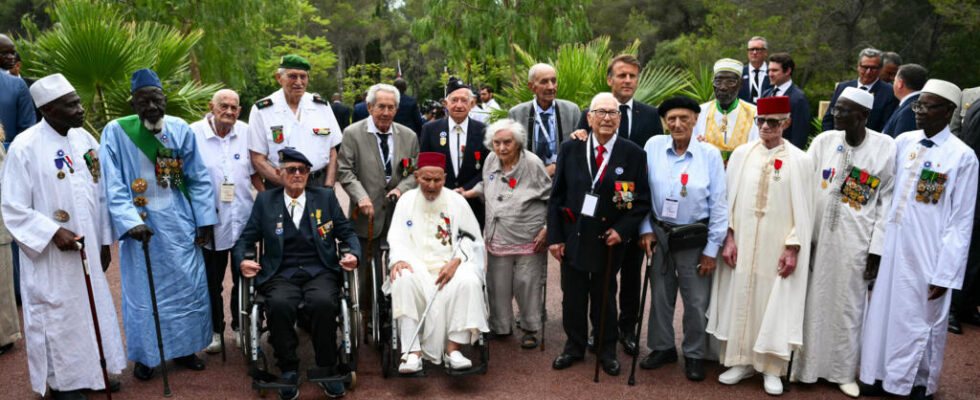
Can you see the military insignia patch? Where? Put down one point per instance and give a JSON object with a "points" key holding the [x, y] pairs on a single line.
{"points": [[263, 103], [930, 187], [276, 133], [321, 131]]}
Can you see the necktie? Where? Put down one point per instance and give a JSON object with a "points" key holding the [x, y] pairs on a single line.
{"points": [[598, 159], [775, 92], [755, 84], [624, 120], [460, 146], [383, 137], [292, 207], [542, 145], [864, 88], [927, 142]]}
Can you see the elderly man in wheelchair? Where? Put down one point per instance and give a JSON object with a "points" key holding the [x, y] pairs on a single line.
{"points": [[436, 281], [299, 275]]}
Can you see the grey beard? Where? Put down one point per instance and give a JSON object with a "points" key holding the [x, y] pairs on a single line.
{"points": [[156, 127]]}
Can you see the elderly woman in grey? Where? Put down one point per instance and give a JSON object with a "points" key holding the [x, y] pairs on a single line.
{"points": [[515, 188]]}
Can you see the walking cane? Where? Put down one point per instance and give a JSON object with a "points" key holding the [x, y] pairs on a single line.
{"points": [[156, 318], [80, 242], [602, 312], [374, 277], [544, 303], [639, 318], [789, 371], [222, 336]]}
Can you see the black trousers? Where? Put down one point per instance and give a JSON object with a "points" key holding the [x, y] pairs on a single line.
{"points": [[215, 265], [581, 296], [321, 298], [630, 280], [969, 295]]}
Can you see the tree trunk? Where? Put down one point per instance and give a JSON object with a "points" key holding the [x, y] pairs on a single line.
{"points": [[340, 71]]}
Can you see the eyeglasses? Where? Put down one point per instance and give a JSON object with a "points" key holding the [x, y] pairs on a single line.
{"points": [[772, 122], [922, 107], [757, 49], [869, 67], [725, 82], [297, 170], [605, 113], [837, 111], [228, 107]]}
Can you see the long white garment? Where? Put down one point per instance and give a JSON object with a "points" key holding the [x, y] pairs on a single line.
{"points": [[925, 244], [843, 236], [61, 345], [459, 309], [757, 315]]}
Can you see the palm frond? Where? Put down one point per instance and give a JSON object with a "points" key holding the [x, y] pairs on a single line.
{"points": [[700, 84]]}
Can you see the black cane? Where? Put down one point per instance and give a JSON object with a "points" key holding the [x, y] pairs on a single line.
{"points": [[80, 241], [544, 303], [156, 318], [214, 247], [789, 371], [602, 312], [639, 318]]}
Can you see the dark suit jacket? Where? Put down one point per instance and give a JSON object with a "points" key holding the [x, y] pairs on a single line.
{"points": [[884, 105], [408, 113], [342, 113], [584, 250], [970, 134], [745, 92], [903, 120], [360, 112], [469, 174], [269, 211], [646, 123], [799, 129]]}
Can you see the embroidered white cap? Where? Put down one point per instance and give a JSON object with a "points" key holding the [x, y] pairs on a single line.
{"points": [[50, 88]]}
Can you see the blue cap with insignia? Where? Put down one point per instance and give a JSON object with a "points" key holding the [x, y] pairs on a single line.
{"points": [[290, 154]]}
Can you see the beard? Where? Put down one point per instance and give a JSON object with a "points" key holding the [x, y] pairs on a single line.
{"points": [[155, 127]]}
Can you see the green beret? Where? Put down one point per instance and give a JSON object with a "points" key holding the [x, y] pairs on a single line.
{"points": [[294, 61]]}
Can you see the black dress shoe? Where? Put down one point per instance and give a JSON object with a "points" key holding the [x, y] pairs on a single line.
{"points": [[871, 390], [191, 362], [919, 393], [5, 348], [611, 366], [971, 317], [565, 360], [628, 339], [954, 325], [496, 336], [114, 386], [142, 372], [69, 395], [659, 358], [693, 369]]}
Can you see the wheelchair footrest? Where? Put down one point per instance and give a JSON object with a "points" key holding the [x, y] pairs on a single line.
{"points": [[476, 369], [262, 380], [327, 375], [418, 374]]}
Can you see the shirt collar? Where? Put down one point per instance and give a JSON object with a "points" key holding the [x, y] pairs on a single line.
{"points": [[940, 137], [869, 86], [784, 87], [301, 200], [210, 134], [907, 98], [608, 146], [371, 127], [627, 104], [463, 125], [668, 147], [279, 99], [763, 68], [537, 107]]}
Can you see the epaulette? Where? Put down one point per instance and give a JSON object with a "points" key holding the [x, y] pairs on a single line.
{"points": [[318, 99], [263, 103]]}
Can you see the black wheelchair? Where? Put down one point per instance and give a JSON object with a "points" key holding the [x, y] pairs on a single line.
{"points": [[252, 309]]}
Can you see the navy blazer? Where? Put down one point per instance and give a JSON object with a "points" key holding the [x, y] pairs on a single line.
{"points": [[646, 123], [584, 250], [269, 213], [883, 108], [469, 174], [342, 113], [408, 114], [798, 131], [360, 112], [745, 92], [903, 120]]}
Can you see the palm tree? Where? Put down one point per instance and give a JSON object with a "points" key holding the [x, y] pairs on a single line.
{"points": [[97, 51]]}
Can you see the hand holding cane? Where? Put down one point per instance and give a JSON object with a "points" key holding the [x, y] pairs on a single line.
{"points": [[80, 242]]}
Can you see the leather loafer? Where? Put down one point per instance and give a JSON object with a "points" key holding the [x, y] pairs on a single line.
{"points": [[659, 358], [629, 342], [565, 360], [919, 393], [954, 325], [971, 317], [114, 386], [142, 372], [611, 366], [693, 369], [69, 395], [191, 362]]}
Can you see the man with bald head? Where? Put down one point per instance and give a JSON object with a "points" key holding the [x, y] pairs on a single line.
{"points": [[549, 120], [223, 142]]}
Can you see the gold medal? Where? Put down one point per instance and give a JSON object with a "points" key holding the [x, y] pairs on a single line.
{"points": [[918, 197], [823, 184], [61, 175], [912, 156], [857, 206], [140, 201], [61, 216], [684, 191], [139, 185], [843, 199], [629, 206], [143, 215]]}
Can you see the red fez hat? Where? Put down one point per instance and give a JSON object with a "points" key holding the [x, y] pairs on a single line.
{"points": [[773, 105], [432, 159]]}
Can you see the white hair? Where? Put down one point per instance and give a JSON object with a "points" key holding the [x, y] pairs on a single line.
{"points": [[222, 93], [765, 43], [470, 91], [506, 124], [537, 68], [372, 93], [600, 96]]}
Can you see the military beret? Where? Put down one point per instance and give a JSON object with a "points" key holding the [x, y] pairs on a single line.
{"points": [[294, 61], [678, 102], [288, 154]]}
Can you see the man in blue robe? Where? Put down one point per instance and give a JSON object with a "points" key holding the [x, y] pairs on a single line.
{"points": [[159, 193]]}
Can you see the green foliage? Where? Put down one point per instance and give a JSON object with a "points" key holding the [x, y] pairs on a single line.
{"points": [[700, 83], [97, 51], [361, 77], [317, 50]]}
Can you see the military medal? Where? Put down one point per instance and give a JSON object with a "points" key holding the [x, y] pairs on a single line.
{"points": [[442, 138], [61, 175], [139, 185], [321, 131], [684, 184], [777, 164], [828, 175], [140, 201], [442, 230], [279, 227], [623, 196], [94, 167], [276, 133], [61, 215], [477, 155], [318, 216], [511, 183], [408, 166]]}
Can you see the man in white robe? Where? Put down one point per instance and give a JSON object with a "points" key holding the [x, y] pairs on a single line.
{"points": [[853, 186], [424, 260], [927, 237], [52, 194], [757, 300]]}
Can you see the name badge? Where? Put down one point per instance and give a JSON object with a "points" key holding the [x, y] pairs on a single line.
{"points": [[227, 192], [588, 205], [670, 209]]}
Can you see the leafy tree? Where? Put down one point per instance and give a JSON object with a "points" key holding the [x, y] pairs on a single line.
{"points": [[361, 77]]}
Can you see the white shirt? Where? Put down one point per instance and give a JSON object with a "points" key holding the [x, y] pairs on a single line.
{"points": [[867, 87], [228, 162], [371, 127], [757, 84], [783, 88], [906, 98], [313, 129], [298, 210], [607, 150], [456, 142]]}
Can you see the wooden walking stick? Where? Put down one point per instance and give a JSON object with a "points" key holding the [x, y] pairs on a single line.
{"points": [[602, 310], [156, 318], [639, 317], [80, 242]]}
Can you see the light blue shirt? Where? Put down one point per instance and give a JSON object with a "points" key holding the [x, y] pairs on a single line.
{"points": [[706, 197], [552, 143]]}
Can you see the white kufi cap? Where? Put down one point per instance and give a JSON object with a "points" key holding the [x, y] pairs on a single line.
{"points": [[728, 64], [861, 97], [49, 88], [944, 89]]}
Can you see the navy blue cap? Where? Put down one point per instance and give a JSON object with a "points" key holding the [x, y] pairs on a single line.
{"points": [[454, 85], [290, 154], [143, 78]]}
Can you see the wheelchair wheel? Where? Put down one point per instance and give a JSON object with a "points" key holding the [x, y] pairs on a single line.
{"points": [[353, 381]]}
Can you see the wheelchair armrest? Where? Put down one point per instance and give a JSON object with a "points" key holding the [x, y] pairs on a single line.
{"points": [[384, 246]]}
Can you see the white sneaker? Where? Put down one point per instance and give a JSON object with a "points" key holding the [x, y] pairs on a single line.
{"points": [[215, 346], [411, 364], [772, 384], [736, 374], [456, 360], [851, 389]]}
